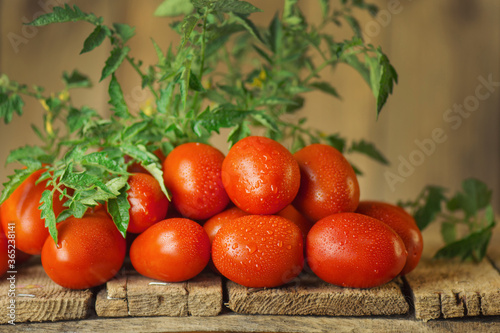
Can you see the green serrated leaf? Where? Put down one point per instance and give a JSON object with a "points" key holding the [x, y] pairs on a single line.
{"points": [[235, 6], [388, 77], [10, 104], [117, 101], [47, 213], [275, 35], [194, 83], [250, 27], [369, 150], [114, 61], [76, 80], [119, 208], [187, 26], [266, 120], [94, 39], [238, 132], [433, 199], [354, 24], [64, 14], [473, 246], [101, 160], [16, 179], [173, 8], [325, 87], [125, 31], [77, 118], [223, 116], [336, 142], [475, 196], [157, 173]]}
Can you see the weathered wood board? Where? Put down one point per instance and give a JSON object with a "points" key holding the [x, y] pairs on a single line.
{"points": [[39, 299], [450, 289], [309, 295], [131, 294]]}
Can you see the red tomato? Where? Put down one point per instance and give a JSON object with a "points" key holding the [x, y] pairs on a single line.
{"points": [[192, 172], [216, 222], [291, 213], [171, 250], [259, 250], [213, 225], [21, 209], [148, 204], [90, 251], [354, 250], [402, 223], [260, 175], [328, 183]]}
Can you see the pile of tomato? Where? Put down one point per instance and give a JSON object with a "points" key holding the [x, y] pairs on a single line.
{"points": [[259, 216]]}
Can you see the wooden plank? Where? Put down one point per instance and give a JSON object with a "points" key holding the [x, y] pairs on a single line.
{"points": [[249, 323], [311, 296], [450, 289], [135, 295], [38, 298]]}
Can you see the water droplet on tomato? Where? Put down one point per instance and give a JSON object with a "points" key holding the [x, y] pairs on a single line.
{"points": [[251, 248], [234, 246], [280, 244]]}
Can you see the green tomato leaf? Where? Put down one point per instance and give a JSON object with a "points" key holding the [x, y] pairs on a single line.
{"points": [[65, 14], [336, 142], [125, 31], [235, 6], [157, 173], [475, 196], [95, 39], [250, 27], [325, 87], [117, 101], [28, 153], [369, 150], [473, 246], [434, 197], [266, 120], [77, 118], [47, 213], [449, 232], [119, 208], [114, 61], [76, 80], [222, 116], [238, 132], [10, 103], [354, 24], [194, 83], [16, 179], [173, 8], [100, 159]]}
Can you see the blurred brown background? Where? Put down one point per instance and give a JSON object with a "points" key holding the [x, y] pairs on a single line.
{"points": [[443, 51]]}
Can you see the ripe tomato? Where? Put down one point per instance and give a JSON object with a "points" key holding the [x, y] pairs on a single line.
{"points": [[148, 204], [259, 250], [192, 172], [328, 183], [90, 251], [171, 250], [21, 208], [354, 250], [291, 213], [402, 223], [213, 224], [260, 175]]}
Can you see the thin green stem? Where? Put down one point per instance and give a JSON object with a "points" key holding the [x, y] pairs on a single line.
{"points": [[141, 74]]}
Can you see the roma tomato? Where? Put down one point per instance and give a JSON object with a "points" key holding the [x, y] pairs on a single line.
{"points": [[291, 213], [260, 175], [402, 223], [171, 250], [148, 204], [216, 222], [20, 210], [192, 172], [259, 250], [89, 252], [328, 183], [354, 250]]}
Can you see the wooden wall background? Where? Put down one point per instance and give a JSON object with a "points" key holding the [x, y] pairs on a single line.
{"points": [[439, 48]]}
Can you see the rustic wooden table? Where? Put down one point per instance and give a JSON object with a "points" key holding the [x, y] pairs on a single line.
{"points": [[438, 296]]}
